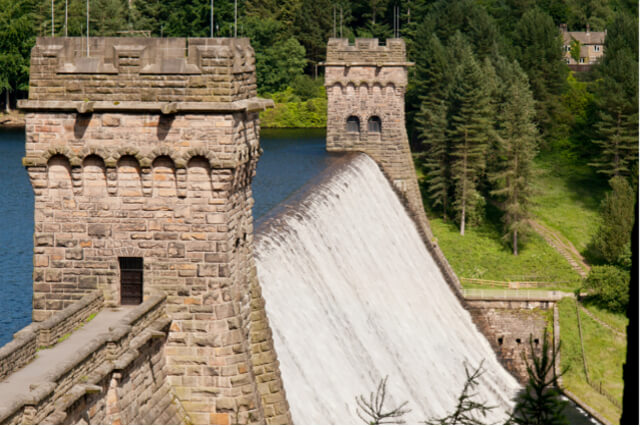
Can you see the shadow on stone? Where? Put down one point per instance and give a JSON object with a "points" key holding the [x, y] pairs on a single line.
{"points": [[164, 126], [81, 125]]}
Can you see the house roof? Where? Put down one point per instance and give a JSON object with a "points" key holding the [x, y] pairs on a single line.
{"points": [[592, 37]]}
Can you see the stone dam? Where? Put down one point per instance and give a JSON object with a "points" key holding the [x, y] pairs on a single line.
{"points": [[156, 302]]}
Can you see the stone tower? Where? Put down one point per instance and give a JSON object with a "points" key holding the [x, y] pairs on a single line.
{"points": [[141, 154], [366, 83]]}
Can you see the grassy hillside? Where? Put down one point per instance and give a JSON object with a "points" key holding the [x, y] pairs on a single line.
{"points": [[605, 353]]}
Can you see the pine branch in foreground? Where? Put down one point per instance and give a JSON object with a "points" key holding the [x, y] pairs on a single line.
{"points": [[373, 412]]}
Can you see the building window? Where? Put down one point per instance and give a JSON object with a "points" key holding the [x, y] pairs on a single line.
{"points": [[567, 60], [582, 60], [130, 280], [375, 125], [353, 124], [596, 48]]}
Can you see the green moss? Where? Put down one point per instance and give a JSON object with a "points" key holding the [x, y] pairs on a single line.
{"points": [[64, 337], [90, 318]]}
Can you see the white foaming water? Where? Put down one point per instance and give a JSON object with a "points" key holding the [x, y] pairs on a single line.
{"points": [[353, 295]]}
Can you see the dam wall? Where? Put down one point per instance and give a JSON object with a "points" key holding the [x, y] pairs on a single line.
{"points": [[349, 258]]}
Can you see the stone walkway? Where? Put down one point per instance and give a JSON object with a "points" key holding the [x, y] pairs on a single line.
{"points": [[47, 360]]}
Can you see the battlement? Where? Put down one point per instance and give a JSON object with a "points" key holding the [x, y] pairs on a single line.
{"points": [[140, 69], [366, 52]]}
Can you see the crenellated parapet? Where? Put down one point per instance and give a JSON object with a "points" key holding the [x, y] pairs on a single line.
{"points": [[142, 69]]}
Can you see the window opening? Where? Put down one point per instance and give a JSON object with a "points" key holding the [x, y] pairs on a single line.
{"points": [[353, 124], [375, 125], [130, 280]]}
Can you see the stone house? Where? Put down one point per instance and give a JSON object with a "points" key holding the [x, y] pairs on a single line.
{"points": [[591, 45]]}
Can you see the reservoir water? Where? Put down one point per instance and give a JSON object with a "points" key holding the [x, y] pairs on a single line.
{"points": [[290, 158]]}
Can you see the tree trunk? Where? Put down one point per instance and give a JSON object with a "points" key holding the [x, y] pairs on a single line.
{"points": [[7, 107], [515, 242], [464, 185]]}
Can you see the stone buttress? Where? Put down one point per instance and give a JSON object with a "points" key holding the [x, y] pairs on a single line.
{"points": [[141, 154]]}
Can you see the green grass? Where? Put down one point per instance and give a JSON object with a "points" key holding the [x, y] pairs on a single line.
{"points": [[605, 356], [90, 318], [567, 198], [481, 254], [617, 321]]}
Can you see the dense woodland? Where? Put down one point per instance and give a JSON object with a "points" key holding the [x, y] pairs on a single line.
{"points": [[489, 92]]}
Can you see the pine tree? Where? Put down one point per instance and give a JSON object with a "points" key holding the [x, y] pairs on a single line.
{"points": [[437, 162], [516, 148], [469, 129], [538, 47], [617, 100]]}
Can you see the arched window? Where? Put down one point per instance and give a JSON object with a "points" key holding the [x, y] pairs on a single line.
{"points": [[353, 124], [375, 125]]}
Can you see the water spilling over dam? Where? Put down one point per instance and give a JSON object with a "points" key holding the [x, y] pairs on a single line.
{"points": [[353, 296]]}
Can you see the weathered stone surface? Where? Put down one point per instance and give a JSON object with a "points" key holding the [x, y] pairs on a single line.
{"points": [[172, 189]]}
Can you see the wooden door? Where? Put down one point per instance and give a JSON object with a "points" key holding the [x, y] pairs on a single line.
{"points": [[131, 281]]}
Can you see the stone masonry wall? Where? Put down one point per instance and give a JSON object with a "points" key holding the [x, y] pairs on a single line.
{"points": [[116, 377], [26, 342], [142, 69], [508, 326], [122, 180]]}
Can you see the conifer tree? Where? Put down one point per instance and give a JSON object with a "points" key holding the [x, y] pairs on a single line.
{"points": [[437, 162], [468, 133], [515, 150], [617, 100]]}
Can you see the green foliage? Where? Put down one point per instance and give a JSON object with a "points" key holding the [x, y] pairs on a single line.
{"points": [[613, 239], [575, 50], [515, 150], [617, 99], [540, 403], [609, 287], [293, 111], [468, 134], [16, 39], [538, 49]]}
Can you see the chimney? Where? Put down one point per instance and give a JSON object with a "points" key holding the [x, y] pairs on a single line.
{"points": [[563, 28], [588, 28]]}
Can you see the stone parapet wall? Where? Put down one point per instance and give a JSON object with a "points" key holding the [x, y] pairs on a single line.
{"points": [[142, 69], [22, 349], [74, 391], [365, 50], [507, 325]]}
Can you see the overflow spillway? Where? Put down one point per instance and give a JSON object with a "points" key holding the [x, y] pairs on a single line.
{"points": [[353, 296]]}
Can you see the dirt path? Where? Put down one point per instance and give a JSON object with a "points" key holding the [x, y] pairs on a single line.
{"points": [[563, 246], [602, 322]]}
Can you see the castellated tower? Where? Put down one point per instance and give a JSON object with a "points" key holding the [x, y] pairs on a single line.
{"points": [[141, 154], [366, 83]]}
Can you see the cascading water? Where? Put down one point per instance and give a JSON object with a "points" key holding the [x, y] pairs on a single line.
{"points": [[353, 296]]}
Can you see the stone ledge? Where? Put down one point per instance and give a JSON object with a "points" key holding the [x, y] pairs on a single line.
{"points": [[246, 105]]}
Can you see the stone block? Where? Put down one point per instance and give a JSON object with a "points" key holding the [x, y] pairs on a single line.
{"points": [[99, 230]]}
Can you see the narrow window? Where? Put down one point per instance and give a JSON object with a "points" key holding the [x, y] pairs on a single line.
{"points": [[130, 281], [582, 60], [500, 341], [596, 48], [375, 125], [353, 124]]}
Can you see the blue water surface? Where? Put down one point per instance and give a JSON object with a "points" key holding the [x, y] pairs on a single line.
{"points": [[16, 236], [291, 158]]}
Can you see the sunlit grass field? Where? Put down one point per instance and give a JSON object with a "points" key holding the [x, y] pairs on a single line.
{"points": [[605, 353]]}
